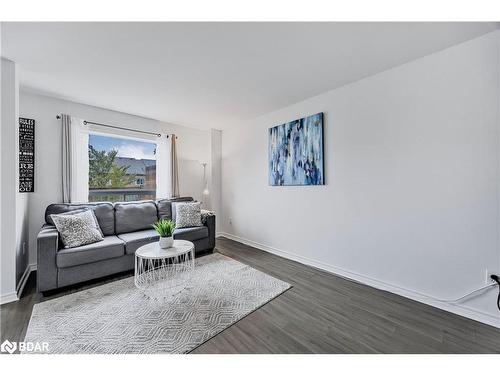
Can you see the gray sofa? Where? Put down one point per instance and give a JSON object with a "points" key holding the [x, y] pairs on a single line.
{"points": [[126, 226]]}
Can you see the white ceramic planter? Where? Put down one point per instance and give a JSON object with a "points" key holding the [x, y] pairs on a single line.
{"points": [[166, 242]]}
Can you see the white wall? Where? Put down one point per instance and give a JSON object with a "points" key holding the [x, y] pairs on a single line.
{"points": [[193, 147], [411, 200], [215, 173], [14, 220], [8, 270]]}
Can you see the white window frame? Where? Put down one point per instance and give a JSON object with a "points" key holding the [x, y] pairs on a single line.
{"points": [[97, 130]]}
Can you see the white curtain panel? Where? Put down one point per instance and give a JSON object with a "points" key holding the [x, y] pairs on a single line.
{"points": [[75, 163], [163, 166]]}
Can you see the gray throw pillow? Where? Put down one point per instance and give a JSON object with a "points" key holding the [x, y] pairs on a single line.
{"points": [[188, 215], [77, 229]]}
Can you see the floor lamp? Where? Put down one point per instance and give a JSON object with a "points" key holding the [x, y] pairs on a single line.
{"points": [[206, 192]]}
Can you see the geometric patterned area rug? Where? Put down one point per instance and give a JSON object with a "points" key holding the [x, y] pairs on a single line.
{"points": [[118, 318]]}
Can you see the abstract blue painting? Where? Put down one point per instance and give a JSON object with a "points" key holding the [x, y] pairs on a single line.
{"points": [[296, 152]]}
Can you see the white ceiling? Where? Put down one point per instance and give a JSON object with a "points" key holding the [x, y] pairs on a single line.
{"points": [[213, 75]]}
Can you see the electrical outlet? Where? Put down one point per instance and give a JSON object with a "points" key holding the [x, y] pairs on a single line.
{"points": [[488, 274], [24, 248], [230, 221]]}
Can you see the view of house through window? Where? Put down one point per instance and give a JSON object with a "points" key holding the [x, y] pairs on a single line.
{"points": [[121, 169]]}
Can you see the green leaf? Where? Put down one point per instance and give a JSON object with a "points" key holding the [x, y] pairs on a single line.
{"points": [[165, 228]]}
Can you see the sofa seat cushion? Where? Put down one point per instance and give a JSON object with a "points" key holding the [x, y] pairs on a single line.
{"points": [[191, 234], [135, 240], [109, 247]]}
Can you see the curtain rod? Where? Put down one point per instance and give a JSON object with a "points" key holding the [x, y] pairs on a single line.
{"points": [[119, 127]]}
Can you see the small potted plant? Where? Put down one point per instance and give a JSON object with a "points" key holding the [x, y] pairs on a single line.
{"points": [[165, 229]]}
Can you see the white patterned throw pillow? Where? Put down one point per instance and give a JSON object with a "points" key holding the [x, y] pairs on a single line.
{"points": [[78, 211], [78, 229], [188, 214]]}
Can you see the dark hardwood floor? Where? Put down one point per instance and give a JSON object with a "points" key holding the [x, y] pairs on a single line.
{"points": [[322, 313]]}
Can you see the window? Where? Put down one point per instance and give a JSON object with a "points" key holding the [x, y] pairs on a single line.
{"points": [[121, 169]]}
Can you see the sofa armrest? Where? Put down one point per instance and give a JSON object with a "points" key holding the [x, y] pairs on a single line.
{"points": [[47, 244], [210, 224]]}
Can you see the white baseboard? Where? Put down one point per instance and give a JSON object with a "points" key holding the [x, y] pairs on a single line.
{"points": [[14, 296], [24, 278], [8, 297], [417, 296]]}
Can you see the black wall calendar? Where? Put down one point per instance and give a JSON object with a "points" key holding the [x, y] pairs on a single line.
{"points": [[26, 155]]}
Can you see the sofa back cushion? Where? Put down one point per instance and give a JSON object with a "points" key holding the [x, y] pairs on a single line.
{"points": [[103, 211], [134, 216], [165, 207]]}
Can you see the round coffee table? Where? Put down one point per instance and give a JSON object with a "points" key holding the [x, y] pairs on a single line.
{"points": [[163, 272]]}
